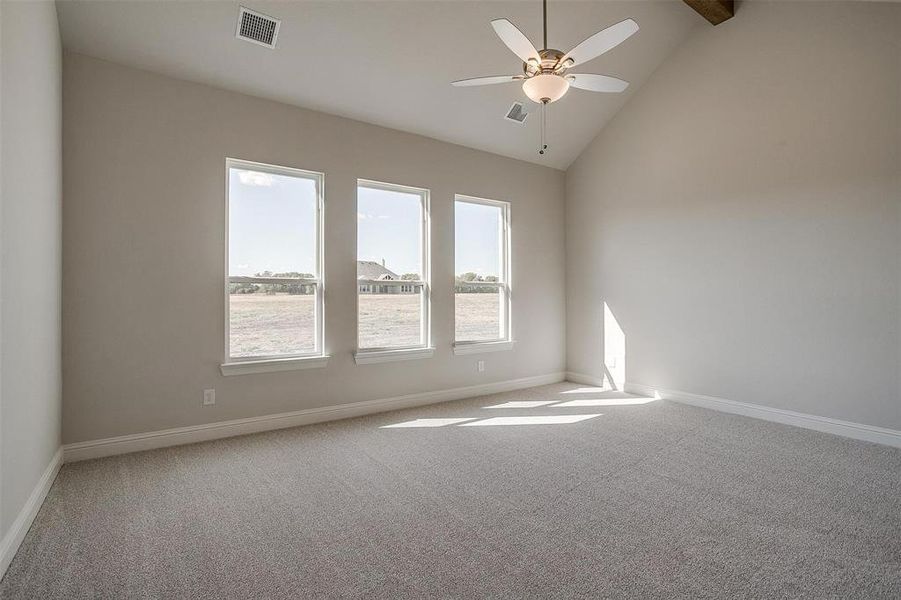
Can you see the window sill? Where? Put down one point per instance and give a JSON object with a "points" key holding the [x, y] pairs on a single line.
{"points": [[482, 347], [368, 357], [271, 365]]}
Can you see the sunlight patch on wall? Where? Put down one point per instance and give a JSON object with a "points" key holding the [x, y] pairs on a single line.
{"points": [[614, 350]]}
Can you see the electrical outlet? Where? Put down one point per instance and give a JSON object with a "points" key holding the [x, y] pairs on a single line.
{"points": [[481, 366], [209, 397]]}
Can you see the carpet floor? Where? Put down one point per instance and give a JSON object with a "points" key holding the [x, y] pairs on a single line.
{"points": [[592, 495]]}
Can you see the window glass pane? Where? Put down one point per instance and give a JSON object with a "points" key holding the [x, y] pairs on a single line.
{"points": [[273, 226], [389, 251], [271, 324], [477, 314], [477, 249], [479, 310], [389, 318]]}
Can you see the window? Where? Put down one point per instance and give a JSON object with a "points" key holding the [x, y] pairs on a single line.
{"points": [[482, 280], [274, 290], [392, 270]]}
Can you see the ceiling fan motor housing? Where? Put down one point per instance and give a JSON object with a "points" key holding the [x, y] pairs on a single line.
{"points": [[550, 63]]}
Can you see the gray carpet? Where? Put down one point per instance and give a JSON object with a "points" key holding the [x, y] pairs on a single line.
{"points": [[654, 500]]}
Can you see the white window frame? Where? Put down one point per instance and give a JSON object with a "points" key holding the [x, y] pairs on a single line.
{"points": [[504, 285], [242, 365], [424, 349]]}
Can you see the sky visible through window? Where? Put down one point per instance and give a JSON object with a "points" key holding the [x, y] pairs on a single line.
{"points": [[477, 248], [272, 228], [272, 223], [389, 228]]}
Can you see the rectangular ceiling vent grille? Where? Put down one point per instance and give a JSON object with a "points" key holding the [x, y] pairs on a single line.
{"points": [[257, 28], [517, 114]]}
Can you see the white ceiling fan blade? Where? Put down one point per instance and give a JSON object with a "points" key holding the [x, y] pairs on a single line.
{"points": [[515, 40], [486, 80], [597, 83], [601, 42]]}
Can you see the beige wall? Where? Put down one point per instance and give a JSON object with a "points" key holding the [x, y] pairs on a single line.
{"points": [[740, 216], [143, 236], [30, 207]]}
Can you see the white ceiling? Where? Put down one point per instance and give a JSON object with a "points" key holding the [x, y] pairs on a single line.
{"points": [[389, 63]]}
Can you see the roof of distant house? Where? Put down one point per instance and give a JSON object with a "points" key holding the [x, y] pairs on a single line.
{"points": [[369, 269]]}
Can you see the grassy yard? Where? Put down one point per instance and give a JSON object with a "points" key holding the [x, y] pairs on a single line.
{"points": [[262, 325]]}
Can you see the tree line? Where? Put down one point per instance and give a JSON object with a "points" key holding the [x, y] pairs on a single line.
{"points": [[294, 288], [461, 281], [291, 288]]}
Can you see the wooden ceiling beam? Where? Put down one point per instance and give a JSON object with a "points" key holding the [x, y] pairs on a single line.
{"points": [[715, 11]]}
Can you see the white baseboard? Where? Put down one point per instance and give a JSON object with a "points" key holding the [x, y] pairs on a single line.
{"points": [[858, 431], [584, 379], [211, 431], [10, 543]]}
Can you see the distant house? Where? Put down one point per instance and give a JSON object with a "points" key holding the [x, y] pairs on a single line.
{"points": [[370, 272]]}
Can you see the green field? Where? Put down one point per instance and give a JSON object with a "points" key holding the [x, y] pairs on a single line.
{"points": [[265, 325]]}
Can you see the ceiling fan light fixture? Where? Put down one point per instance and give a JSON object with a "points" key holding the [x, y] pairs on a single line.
{"points": [[545, 70], [545, 88]]}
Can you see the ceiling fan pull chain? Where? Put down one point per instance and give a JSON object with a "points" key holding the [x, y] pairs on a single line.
{"points": [[542, 127], [541, 130]]}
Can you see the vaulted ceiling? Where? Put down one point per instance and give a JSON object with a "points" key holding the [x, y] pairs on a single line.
{"points": [[389, 63]]}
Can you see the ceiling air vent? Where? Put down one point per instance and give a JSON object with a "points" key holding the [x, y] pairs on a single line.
{"points": [[517, 114], [257, 28]]}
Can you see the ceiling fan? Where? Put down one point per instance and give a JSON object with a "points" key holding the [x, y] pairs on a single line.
{"points": [[545, 72]]}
